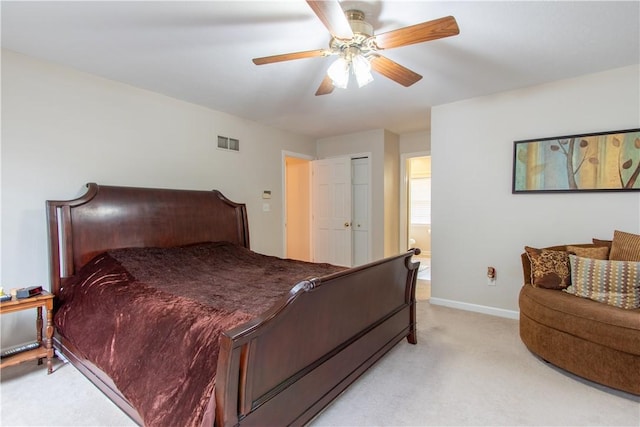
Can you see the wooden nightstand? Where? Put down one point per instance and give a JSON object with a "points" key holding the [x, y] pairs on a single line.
{"points": [[45, 299]]}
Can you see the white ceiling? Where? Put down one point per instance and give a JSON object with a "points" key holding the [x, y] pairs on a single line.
{"points": [[201, 52]]}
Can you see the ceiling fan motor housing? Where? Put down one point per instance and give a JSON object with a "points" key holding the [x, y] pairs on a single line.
{"points": [[362, 41], [358, 25]]}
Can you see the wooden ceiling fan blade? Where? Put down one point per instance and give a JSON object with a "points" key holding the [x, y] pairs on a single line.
{"points": [[290, 56], [394, 71], [332, 16], [430, 30], [326, 87]]}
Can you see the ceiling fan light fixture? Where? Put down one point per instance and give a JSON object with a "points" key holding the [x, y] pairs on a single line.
{"points": [[339, 72], [362, 70]]}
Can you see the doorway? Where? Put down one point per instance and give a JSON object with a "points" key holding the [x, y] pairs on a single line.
{"points": [[416, 215], [297, 207], [419, 204], [301, 240]]}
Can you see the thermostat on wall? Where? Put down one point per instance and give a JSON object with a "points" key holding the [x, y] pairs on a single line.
{"points": [[266, 194]]}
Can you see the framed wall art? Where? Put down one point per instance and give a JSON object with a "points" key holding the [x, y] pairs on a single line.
{"points": [[606, 161]]}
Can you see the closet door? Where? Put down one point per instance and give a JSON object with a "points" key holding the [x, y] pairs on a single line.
{"points": [[360, 210], [331, 211]]}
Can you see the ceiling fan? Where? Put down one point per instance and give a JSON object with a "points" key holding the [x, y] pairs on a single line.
{"points": [[357, 47]]}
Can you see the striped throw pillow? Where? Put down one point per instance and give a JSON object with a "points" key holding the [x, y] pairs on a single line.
{"points": [[625, 246], [615, 283]]}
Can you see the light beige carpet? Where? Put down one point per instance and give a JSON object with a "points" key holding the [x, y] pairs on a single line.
{"points": [[467, 369]]}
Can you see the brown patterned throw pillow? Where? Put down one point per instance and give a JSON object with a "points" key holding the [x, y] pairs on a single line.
{"points": [[615, 283], [549, 269], [625, 246], [597, 252]]}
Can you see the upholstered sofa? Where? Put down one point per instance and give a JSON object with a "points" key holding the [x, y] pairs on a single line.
{"points": [[595, 340]]}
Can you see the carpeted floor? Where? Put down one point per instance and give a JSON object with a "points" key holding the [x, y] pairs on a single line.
{"points": [[467, 369]]}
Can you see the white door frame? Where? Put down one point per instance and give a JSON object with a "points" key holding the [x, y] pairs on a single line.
{"points": [[404, 199]]}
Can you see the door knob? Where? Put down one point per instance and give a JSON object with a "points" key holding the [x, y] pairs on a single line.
{"points": [[346, 224]]}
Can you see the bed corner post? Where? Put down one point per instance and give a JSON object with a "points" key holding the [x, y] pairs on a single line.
{"points": [[60, 246], [227, 383], [54, 247], [412, 277]]}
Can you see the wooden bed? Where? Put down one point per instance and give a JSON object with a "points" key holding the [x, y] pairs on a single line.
{"points": [[281, 368]]}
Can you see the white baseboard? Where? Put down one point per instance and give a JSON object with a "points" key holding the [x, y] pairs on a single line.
{"points": [[493, 311]]}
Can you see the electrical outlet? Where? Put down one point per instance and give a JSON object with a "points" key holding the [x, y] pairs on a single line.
{"points": [[491, 276]]}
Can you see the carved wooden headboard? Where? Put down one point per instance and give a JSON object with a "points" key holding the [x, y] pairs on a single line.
{"points": [[119, 217]]}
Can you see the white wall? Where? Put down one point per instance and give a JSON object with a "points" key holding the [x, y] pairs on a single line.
{"points": [[391, 193], [415, 142], [62, 128], [477, 222]]}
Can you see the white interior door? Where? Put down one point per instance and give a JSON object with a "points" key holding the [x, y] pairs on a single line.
{"points": [[331, 211], [361, 218]]}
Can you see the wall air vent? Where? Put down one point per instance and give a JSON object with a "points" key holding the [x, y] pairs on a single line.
{"points": [[225, 143]]}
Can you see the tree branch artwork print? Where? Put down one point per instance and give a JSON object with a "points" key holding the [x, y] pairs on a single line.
{"points": [[606, 161]]}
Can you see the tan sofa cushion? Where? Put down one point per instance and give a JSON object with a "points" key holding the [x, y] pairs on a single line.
{"points": [[596, 252], [600, 242], [581, 317]]}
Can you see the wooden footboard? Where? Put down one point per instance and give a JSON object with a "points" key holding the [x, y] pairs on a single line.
{"points": [[286, 366]]}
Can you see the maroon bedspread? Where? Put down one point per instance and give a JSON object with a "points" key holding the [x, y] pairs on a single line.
{"points": [[151, 318]]}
